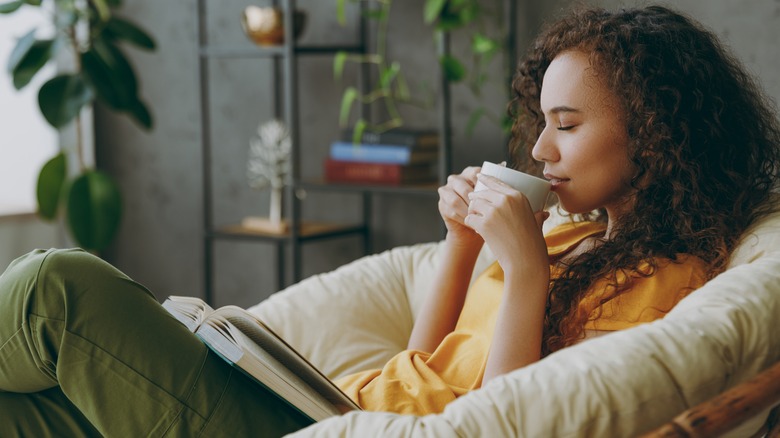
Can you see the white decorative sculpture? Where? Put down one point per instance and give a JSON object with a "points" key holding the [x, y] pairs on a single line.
{"points": [[268, 165]]}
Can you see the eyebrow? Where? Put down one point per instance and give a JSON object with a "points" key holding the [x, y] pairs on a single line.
{"points": [[563, 109]]}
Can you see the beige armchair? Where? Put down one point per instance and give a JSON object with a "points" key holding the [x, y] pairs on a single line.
{"points": [[623, 384]]}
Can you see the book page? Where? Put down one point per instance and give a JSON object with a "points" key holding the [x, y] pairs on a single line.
{"points": [[269, 341], [190, 311], [276, 377]]}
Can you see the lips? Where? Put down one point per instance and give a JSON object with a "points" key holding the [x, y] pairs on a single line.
{"points": [[555, 180]]}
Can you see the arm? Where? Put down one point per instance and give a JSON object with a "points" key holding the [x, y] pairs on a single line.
{"points": [[503, 217], [442, 306]]}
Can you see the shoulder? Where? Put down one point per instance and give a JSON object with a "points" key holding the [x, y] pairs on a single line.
{"points": [[653, 291], [567, 235]]}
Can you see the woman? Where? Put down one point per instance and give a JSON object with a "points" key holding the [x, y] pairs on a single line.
{"points": [[638, 115]]}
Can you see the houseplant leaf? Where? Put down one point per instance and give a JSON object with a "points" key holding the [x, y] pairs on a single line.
{"points": [[338, 64], [94, 209], [8, 7], [32, 61], [111, 75], [357, 132], [350, 94], [340, 12], [33, 2], [23, 46], [432, 10], [101, 7], [62, 97], [388, 74], [141, 114], [453, 69], [484, 45], [124, 30], [49, 188]]}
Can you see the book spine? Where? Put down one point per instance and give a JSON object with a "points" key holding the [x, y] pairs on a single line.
{"points": [[357, 172], [372, 153]]}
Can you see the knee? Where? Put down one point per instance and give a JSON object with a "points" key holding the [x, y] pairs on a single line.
{"points": [[67, 263]]}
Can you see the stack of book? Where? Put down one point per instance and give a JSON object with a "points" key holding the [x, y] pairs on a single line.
{"points": [[394, 157]]}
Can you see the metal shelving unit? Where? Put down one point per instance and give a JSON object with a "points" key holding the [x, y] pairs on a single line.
{"points": [[285, 59]]}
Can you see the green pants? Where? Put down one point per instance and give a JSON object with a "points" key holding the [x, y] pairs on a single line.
{"points": [[85, 351]]}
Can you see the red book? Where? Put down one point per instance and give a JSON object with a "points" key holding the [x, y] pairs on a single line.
{"points": [[378, 173]]}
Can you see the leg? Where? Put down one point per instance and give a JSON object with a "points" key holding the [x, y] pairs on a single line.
{"points": [[40, 414], [68, 320]]}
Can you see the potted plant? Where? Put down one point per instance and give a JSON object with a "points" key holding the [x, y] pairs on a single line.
{"points": [[91, 34], [483, 21]]}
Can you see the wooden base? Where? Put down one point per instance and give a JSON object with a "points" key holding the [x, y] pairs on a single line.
{"points": [[264, 224]]}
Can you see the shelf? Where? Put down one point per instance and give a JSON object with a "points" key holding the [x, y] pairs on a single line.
{"points": [[247, 51], [308, 231], [429, 189]]}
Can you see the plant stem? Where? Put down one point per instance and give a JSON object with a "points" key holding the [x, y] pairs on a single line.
{"points": [[73, 39]]}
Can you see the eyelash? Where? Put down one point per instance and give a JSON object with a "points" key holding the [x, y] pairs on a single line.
{"points": [[565, 128]]}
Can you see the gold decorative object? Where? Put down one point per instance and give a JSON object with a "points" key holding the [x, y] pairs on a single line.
{"points": [[265, 25]]}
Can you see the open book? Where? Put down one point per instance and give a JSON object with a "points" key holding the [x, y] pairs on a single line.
{"points": [[245, 342]]}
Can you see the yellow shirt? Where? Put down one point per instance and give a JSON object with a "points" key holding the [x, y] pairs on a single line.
{"points": [[419, 383]]}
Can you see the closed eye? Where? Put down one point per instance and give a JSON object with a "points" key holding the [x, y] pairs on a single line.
{"points": [[565, 128]]}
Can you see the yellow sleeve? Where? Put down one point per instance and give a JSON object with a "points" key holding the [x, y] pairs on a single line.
{"points": [[649, 298]]}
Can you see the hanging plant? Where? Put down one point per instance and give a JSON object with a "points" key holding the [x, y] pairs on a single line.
{"points": [[488, 35], [90, 32]]}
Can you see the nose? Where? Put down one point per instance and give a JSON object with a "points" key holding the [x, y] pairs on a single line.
{"points": [[545, 150]]}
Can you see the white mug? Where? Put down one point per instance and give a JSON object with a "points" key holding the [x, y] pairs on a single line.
{"points": [[535, 189]]}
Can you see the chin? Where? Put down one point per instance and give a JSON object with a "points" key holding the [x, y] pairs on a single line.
{"points": [[574, 208]]}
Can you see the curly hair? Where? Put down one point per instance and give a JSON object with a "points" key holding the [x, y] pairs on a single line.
{"points": [[702, 137]]}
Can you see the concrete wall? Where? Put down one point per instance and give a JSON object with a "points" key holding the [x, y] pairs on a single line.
{"points": [[160, 243]]}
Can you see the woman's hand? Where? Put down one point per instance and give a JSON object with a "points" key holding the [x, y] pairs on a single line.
{"points": [[454, 205], [504, 219]]}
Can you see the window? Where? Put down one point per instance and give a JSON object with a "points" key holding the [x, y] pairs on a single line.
{"points": [[27, 141]]}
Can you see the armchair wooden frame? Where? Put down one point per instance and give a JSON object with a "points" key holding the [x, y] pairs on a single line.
{"points": [[729, 409]]}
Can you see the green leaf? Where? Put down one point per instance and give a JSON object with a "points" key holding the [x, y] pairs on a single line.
{"points": [[473, 120], [453, 69], [114, 3], [33, 2], [7, 8], [94, 209], [23, 46], [127, 31], [110, 74], [350, 94], [103, 12], [340, 12], [49, 188], [338, 64], [357, 131], [506, 124], [141, 114], [62, 97], [31, 63], [388, 74], [433, 9], [483, 45]]}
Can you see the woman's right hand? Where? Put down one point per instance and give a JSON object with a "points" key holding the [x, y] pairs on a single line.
{"points": [[454, 206]]}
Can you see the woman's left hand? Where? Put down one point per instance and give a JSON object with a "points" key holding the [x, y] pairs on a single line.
{"points": [[504, 219]]}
